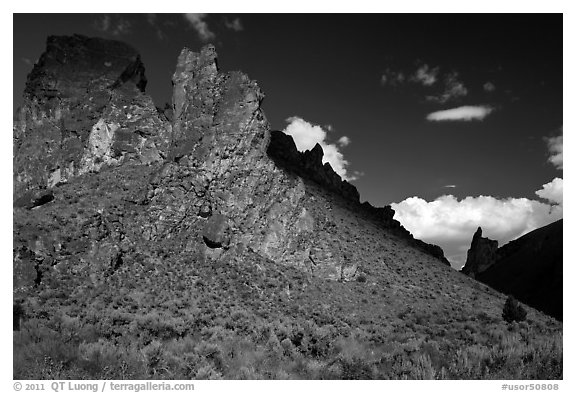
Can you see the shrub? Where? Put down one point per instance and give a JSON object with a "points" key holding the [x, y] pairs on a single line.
{"points": [[513, 311]]}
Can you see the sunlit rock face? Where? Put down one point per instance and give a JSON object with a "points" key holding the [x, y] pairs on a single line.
{"points": [[84, 108], [220, 178], [205, 180]]}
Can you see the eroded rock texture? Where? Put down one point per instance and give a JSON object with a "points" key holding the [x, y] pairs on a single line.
{"points": [[220, 178], [84, 108], [116, 185]]}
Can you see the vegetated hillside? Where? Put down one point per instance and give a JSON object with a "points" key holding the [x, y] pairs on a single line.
{"points": [[213, 260], [530, 268]]}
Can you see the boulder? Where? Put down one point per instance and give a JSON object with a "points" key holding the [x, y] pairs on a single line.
{"points": [[215, 233]]}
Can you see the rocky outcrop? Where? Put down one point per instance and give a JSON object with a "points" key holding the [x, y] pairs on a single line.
{"points": [[218, 176], [203, 180], [84, 108], [308, 164], [529, 268], [481, 255]]}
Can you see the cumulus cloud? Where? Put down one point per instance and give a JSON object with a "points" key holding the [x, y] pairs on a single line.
{"points": [[307, 135], [556, 148], [198, 23], [235, 24], [450, 222], [552, 191], [462, 113]]}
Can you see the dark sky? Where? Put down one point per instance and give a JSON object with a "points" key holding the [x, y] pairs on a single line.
{"points": [[356, 74]]}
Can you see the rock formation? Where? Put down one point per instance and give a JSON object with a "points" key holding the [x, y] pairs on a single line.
{"points": [[202, 180], [529, 268], [84, 108], [481, 255], [308, 164]]}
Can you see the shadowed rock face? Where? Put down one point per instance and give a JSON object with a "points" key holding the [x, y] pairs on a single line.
{"points": [[84, 108], [209, 182], [481, 255], [309, 165], [529, 268]]}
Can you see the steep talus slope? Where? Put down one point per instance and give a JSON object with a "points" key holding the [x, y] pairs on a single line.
{"points": [[215, 257], [530, 268]]}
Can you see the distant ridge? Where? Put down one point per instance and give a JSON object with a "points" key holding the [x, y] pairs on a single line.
{"points": [[530, 267]]}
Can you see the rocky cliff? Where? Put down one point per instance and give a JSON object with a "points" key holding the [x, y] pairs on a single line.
{"points": [[84, 108], [210, 181], [188, 243], [481, 255], [529, 268]]}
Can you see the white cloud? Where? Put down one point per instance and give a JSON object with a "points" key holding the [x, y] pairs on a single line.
{"points": [[552, 191], [450, 222], [344, 141], [462, 113], [450, 186], [556, 148], [425, 75], [235, 24], [199, 24], [489, 87], [307, 135]]}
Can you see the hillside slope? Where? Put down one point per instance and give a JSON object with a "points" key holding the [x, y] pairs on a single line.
{"points": [[530, 268], [220, 257]]}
